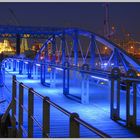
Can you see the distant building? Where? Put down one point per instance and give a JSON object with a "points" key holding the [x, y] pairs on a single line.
{"points": [[24, 45], [6, 47]]}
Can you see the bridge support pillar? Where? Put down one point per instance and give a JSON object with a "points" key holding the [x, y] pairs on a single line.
{"points": [[20, 66], [17, 66], [9, 64], [38, 71], [85, 86], [24, 71], [131, 100], [5, 64], [116, 61], [92, 52], [63, 48], [34, 71], [54, 49], [115, 94], [30, 69], [14, 65], [66, 74], [43, 69], [53, 77], [14, 94], [75, 47], [35, 68], [25, 68]]}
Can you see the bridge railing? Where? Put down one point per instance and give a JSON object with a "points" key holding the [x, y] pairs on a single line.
{"points": [[130, 83], [116, 81], [70, 67], [41, 70], [17, 105]]}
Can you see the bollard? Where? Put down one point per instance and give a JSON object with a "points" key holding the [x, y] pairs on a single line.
{"points": [[74, 126], [30, 112], [20, 117], [46, 117], [115, 94], [85, 85], [131, 117], [14, 85], [66, 74]]}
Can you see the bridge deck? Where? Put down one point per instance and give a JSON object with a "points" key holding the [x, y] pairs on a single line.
{"points": [[97, 113]]}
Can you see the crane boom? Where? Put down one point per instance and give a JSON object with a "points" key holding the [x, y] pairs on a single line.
{"points": [[14, 17]]}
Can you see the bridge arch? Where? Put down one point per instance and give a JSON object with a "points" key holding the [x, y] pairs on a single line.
{"points": [[66, 46]]}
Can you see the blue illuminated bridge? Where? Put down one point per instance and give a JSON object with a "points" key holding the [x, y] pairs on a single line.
{"points": [[72, 88]]}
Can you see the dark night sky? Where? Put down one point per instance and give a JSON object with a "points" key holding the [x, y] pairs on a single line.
{"points": [[84, 15]]}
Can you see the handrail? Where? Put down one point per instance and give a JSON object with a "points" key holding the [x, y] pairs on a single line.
{"points": [[25, 86], [90, 127], [37, 94], [21, 105], [24, 130], [24, 108], [130, 79], [76, 119], [38, 124], [71, 67]]}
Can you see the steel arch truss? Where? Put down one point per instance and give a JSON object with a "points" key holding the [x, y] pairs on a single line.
{"points": [[79, 47]]}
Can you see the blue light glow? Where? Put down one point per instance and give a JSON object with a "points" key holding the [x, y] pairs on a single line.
{"points": [[59, 69], [99, 78], [26, 62], [38, 65], [105, 64]]}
